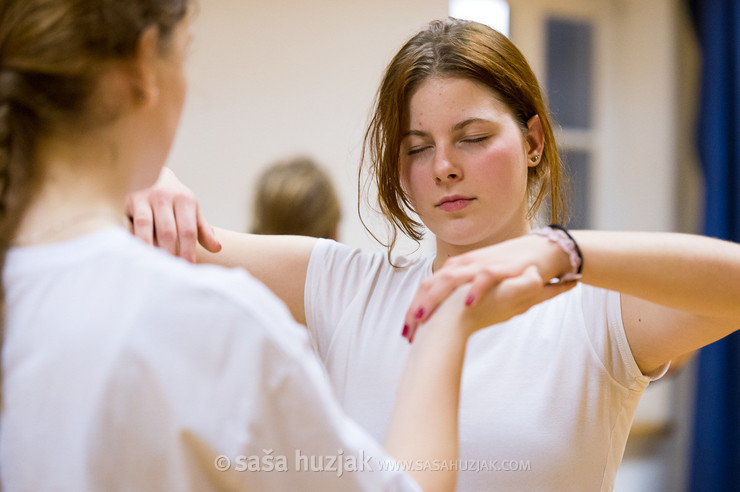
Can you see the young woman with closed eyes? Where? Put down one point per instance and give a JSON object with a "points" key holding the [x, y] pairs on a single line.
{"points": [[460, 136]]}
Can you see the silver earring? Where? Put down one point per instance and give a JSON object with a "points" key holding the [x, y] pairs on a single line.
{"points": [[535, 158]]}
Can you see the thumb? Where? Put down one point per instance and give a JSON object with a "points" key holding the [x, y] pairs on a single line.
{"points": [[206, 234]]}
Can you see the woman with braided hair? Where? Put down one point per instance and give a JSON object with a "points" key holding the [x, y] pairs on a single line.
{"points": [[126, 369]]}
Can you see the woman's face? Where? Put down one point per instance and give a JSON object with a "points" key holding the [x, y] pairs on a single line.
{"points": [[464, 162]]}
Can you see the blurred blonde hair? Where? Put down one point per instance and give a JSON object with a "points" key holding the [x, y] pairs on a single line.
{"points": [[296, 197]]}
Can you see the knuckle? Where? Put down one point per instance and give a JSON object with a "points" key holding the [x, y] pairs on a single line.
{"points": [[159, 195], [166, 234], [446, 275], [184, 197], [188, 233], [142, 221]]}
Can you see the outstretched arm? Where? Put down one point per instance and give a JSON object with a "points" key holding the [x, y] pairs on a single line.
{"points": [[679, 292]]}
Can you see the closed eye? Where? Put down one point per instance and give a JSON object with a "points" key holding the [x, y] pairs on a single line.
{"points": [[476, 139], [416, 150]]}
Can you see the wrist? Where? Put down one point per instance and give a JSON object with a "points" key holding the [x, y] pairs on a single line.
{"points": [[452, 320], [566, 260]]}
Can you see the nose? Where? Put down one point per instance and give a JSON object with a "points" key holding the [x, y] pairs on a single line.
{"points": [[445, 168]]}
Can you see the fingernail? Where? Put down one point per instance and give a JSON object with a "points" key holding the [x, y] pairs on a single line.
{"points": [[469, 300], [420, 313], [405, 330]]}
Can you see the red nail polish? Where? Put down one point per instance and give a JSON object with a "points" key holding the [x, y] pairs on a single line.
{"points": [[405, 330], [420, 313], [469, 300]]}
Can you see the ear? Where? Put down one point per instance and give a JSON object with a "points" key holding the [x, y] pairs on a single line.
{"points": [[535, 141], [145, 83]]}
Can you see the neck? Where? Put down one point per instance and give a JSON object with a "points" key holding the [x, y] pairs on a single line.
{"points": [[82, 188], [447, 250]]}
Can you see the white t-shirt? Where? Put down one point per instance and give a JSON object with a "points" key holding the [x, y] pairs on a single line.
{"points": [[127, 369], [548, 397]]}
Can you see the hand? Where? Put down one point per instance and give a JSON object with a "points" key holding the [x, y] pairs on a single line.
{"points": [[484, 268], [168, 215], [500, 302]]}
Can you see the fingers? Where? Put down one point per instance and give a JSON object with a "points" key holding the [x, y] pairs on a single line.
{"points": [[485, 279], [168, 215], [514, 296], [164, 221], [507, 293], [526, 285], [141, 218], [501, 299], [433, 291], [186, 228], [206, 235]]}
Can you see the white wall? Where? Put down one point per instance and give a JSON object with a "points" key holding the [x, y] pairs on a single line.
{"points": [[270, 79], [640, 117]]}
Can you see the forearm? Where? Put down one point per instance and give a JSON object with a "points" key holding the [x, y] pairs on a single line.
{"points": [[423, 426], [691, 273]]}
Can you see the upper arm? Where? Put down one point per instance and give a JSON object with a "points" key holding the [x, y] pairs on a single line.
{"points": [[279, 262], [658, 334]]}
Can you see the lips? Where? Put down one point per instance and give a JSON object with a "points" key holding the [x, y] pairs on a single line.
{"points": [[454, 203]]}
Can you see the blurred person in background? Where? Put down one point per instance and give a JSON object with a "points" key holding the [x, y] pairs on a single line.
{"points": [[296, 197]]}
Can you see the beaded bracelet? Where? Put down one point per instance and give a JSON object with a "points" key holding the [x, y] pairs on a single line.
{"points": [[560, 236]]}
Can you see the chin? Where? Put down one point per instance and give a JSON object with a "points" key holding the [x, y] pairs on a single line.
{"points": [[461, 237]]}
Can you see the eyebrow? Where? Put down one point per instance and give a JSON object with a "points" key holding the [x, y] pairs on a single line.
{"points": [[463, 124], [417, 133], [455, 128]]}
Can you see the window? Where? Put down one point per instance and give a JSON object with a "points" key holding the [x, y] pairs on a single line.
{"points": [[569, 69], [494, 13]]}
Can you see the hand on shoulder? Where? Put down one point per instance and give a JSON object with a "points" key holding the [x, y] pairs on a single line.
{"points": [[168, 215]]}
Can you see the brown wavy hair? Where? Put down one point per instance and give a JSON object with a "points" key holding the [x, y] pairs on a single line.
{"points": [[52, 53], [463, 49]]}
